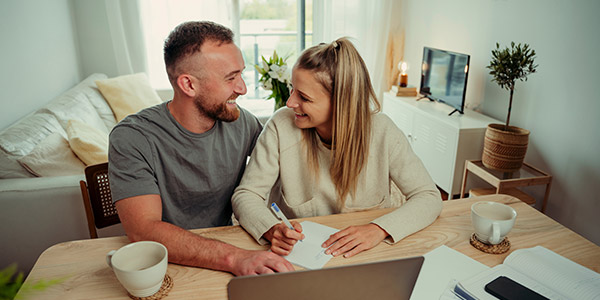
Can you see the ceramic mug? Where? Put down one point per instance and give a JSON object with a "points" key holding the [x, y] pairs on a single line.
{"points": [[140, 267], [492, 221]]}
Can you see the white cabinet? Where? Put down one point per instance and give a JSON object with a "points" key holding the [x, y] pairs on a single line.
{"points": [[442, 142]]}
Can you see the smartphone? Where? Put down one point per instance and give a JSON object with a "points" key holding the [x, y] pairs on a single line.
{"points": [[505, 288]]}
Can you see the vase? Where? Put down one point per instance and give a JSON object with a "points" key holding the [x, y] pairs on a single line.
{"points": [[504, 150]]}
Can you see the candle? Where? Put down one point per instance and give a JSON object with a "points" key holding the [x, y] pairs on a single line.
{"points": [[403, 66], [403, 80]]}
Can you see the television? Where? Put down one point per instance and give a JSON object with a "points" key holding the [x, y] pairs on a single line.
{"points": [[444, 77]]}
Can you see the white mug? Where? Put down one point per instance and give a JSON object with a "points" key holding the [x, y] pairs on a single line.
{"points": [[140, 267], [492, 221]]}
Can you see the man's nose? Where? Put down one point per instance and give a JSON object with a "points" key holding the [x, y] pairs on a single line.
{"points": [[240, 87]]}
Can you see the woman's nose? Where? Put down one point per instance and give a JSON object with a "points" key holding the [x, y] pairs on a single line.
{"points": [[292, 102]]}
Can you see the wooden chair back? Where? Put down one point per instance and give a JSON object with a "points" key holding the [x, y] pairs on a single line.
{"points": [[97, 200]]}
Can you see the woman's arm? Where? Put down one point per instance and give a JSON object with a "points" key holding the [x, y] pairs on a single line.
{"points": [[261, 174]]}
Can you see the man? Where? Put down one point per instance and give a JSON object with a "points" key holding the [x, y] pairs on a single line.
{"points": [[174, 166]]}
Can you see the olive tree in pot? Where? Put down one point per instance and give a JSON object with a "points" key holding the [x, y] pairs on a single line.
{"points": [[505, 146]]}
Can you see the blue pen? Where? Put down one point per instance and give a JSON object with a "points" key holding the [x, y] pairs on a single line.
{"points": [[281, 216]]}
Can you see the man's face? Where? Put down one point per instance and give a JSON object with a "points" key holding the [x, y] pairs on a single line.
{"points": [[220, 81]]}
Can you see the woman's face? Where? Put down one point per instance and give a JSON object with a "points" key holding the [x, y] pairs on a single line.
{"points": [[311, 103]]}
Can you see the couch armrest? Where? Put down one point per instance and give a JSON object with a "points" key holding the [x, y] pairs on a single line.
{"points": [[37, 213], [39, 183]]}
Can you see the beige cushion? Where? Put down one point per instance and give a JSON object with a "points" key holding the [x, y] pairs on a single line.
{"points": [[89, 143], [128, 94], [52, 157]]}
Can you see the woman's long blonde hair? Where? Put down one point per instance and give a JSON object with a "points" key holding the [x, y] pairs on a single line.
{"points": [[339, 68]]}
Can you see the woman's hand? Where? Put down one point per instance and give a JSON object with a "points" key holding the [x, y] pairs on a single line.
{"points": [[283, 238], [354, 239]]}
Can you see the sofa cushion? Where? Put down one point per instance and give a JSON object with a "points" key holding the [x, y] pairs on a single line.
{"points": [[20, 138], [88, 143], [52, 157], [10, 167], [128, 94], [90, 89], [74, 105]]}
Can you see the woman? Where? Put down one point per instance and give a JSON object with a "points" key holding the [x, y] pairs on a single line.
{"points": [[330, 152]]}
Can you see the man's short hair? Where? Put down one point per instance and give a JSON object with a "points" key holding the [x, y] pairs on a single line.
{"points": [[187, 38]]}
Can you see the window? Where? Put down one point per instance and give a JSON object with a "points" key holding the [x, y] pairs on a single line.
{"points": [[260, 26]]}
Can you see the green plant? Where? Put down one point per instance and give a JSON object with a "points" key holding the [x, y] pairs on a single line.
{"points": [[11, 284], [509, 65], [275, 76]]}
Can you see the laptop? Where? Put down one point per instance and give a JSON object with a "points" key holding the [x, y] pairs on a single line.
{"points": [[393, 279]]}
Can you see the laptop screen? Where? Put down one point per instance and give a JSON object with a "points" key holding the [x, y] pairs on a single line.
{"points": [[392, 279]]}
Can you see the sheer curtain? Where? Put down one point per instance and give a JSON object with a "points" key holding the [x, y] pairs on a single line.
{"points": [[125, 29], [159, 17], [366, 22]]}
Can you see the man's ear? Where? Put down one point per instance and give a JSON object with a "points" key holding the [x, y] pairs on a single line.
{"points": [[186, 84]]}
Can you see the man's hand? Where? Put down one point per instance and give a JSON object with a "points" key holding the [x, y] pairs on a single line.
{"points": [[354, 239], [282, 238], [259, 262]]}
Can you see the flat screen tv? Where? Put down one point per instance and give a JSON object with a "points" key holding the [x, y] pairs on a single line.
{"points": [[444, 77]]}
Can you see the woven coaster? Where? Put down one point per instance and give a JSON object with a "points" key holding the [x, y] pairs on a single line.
{"points": [[492, 249], [163, 292]]}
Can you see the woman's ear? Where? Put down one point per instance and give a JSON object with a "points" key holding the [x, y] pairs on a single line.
{"points": [[186, 84]]}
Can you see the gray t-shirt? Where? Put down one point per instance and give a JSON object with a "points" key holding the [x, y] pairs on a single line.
{"points": [[194, 174]]}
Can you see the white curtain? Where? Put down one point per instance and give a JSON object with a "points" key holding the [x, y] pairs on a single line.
{"points": [[366, 22], [159, 17], [125, 30]]}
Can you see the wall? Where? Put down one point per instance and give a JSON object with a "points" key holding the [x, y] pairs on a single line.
{"points": [[38, 58], [558, 104]]}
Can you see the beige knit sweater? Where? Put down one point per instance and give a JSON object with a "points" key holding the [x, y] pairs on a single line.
{"points": [[278, 167]]}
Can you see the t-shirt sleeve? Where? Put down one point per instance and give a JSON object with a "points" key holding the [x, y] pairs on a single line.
{"points": [[130, 171], [255, 128]]}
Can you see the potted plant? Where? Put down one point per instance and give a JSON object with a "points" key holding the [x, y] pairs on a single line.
{"points": [[275, 77], [505, 146]]}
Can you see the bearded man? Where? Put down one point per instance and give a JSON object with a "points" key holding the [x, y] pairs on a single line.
{"points": [[174, 166]]}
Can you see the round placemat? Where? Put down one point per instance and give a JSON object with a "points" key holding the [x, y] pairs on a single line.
{"points": [[492, 249], [163, 292]]}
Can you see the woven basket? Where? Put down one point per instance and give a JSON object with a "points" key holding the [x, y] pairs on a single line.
{"points": [[504, 150]]}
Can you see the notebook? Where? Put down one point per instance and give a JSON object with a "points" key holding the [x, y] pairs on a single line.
{"points": [[392, 279]]}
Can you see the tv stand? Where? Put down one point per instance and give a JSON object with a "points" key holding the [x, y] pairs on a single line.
{"points": [[442, 143], [422, 97], [456, 110]]}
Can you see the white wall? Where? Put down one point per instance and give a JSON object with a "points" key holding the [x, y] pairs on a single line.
{"points": [[559, 104], [38, 57]]}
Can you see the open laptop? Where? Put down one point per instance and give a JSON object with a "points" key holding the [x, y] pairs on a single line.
{"points": [[392, 279]]}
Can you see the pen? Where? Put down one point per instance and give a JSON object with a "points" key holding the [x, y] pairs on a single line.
{"points": [[281, 216]]}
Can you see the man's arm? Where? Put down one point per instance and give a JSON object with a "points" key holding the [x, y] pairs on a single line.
{"points": [[141, 218]]}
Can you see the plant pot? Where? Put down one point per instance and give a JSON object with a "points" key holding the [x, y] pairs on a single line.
{"points": [[504, 150]]}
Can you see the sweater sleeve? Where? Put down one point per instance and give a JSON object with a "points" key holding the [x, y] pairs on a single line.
{"points": [[423, 200], [261, 174]]}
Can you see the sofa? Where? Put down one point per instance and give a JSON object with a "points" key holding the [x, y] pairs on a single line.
{"points": [[42, 160]]}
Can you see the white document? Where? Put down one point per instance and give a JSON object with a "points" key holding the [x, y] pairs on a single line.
{"points": [[441, 265], [308, 253], [547, 273]]}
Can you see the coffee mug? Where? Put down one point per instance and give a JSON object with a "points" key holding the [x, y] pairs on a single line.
{"points": [[492, 221], [140, 267]]}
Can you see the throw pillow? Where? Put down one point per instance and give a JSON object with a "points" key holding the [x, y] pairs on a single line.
{"points": [[128, 94], [89, 143], [52, 157]]}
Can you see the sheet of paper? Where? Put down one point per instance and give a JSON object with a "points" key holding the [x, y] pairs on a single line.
{"points": [[308, 253], [441, 265]]}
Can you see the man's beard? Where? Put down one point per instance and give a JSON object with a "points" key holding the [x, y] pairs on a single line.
{"points": [[218, 111]]}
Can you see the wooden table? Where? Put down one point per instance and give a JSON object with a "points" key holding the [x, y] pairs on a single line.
{"points": [[83, 264], [508, 182]]}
